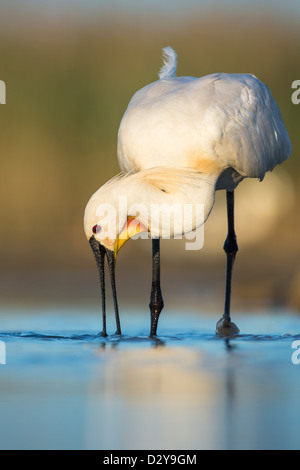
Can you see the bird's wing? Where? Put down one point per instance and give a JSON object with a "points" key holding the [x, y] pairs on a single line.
{"points": [[246, 129]]}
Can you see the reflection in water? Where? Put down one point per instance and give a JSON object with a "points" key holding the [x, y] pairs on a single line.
{"points": [[179, 391], [230, 395], [181, 398], [153, 397]]}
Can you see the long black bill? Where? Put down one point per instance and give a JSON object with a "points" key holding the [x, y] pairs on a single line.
{"points": [[99, 253], [112, 267]]}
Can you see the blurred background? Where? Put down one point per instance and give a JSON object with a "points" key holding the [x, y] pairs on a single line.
{"points": [[70, 69]]}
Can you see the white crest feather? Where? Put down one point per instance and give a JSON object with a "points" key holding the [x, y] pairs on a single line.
{"points": [[170, 63]]}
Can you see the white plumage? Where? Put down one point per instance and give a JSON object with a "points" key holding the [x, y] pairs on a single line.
{"points": [[170, 63], [182, 138], [210, 123]]}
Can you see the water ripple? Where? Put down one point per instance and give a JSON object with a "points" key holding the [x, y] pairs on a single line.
{"points": [[163, 338]]}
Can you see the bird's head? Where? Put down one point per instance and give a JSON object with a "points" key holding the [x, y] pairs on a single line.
{"points": [[107, 221]]}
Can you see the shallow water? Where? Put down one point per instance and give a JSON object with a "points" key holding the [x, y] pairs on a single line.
{"points": [[64, 387]]}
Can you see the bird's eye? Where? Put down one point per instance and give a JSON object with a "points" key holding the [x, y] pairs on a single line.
{"points": [[96, 229]]}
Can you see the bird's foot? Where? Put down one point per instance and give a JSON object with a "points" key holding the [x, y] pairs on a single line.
{"points": [[102, 334], [226, 327], [117, 333]]}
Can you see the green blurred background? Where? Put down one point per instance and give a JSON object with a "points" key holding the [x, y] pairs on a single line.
{"points": [[70, 69]]}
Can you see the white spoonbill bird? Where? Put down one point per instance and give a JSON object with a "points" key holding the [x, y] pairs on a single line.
{"points": [[180, 140]]}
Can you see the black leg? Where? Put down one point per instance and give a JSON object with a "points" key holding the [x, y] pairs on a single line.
{"points": [[225, 327], [230, 248], [156, 301]]}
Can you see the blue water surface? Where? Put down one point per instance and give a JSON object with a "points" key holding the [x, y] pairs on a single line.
{"points": [[64, 387]]}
